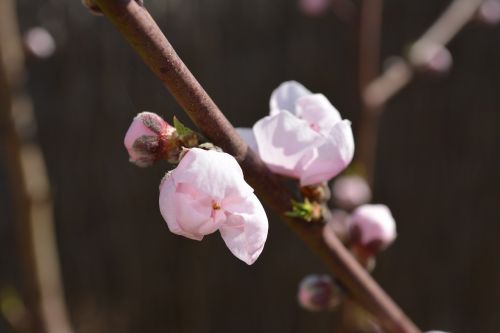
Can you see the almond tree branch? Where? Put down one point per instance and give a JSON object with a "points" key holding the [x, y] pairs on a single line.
{"points": [[399, 74], [378, 90], [141, 31]]}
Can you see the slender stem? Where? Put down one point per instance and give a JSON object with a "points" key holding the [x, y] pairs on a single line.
{"points": [[369, 59], [400, 73], [139, 28]]}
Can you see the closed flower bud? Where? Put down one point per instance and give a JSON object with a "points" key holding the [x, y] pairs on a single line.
{"points": [[39, 43], [207, 193], [149, 139], [319, 293], [350, 192], [92, 6], [372, 228], [431, 58], [489, 12]]}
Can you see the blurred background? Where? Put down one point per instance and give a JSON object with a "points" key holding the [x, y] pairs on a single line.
{"points": [[437, 167]]}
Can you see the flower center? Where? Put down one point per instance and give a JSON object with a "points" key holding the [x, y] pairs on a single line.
{"points": [[216, 205]]}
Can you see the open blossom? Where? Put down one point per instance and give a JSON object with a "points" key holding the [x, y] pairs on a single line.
{"points": [[319, 293], [373, 227], [351, 191], [304, 136], [147, 139], [206, 193]]}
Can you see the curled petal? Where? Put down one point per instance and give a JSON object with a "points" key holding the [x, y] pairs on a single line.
{"points": [[248, 136], [317, 111], [283, 141], [245, 232], [168, 207], [330, 157], [285, 96], [202, 169]]}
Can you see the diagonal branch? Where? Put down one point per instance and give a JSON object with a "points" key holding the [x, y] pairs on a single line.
{"points": [[141, 31]]}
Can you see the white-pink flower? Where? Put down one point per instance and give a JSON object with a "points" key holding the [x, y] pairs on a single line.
{"points": [[206, 193], [304, 136], [373, 226], [147, 138]]}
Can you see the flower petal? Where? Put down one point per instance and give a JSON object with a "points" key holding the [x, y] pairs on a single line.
{"points": [[248, 136], [285, 96], [168, 207], [245, 232], [283, 141], [330, 157], [202, 169], [317, 110]]}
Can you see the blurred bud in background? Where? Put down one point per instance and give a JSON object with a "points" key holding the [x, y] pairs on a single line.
{"points": [[489, 12], [372, 228], [39, 43], [314, 7], [431, 58], [350, 191], [319, 293], [92, 6]]}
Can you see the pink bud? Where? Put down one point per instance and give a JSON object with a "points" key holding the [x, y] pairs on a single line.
{"points": [[39, 42], [372, 227], [431, 57], [206, 193], [350, 192], [314, 7], [319, 293], [304, 136], [489, 12], [147, 139]]}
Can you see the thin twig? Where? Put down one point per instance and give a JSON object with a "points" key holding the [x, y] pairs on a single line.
{"points": [[369, 59], [141, 31], [399, 74]]}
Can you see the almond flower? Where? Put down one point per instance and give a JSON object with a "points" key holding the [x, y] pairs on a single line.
{"points": [[148, 139], [372, 227], [304, 136], [206, 193]]}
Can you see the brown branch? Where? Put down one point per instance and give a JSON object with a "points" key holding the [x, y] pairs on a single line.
{"points": [[369, 59], [141, 31], [399, 74], [43, 293], [378, 90]]}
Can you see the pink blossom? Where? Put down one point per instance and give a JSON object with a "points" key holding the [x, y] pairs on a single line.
{"points": [[304, 136], [314, 7], [206, 193], [373, 226], [319, 293], [147, 138], [351, 191]]}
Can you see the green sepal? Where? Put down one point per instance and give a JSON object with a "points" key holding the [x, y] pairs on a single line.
{"points": [[181, 129], [301, 210]]}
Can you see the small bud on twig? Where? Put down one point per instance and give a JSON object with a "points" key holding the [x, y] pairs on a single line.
{"points": [[319, 293]]}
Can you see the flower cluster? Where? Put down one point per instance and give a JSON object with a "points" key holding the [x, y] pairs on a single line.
{"points": [[206, 192]]}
